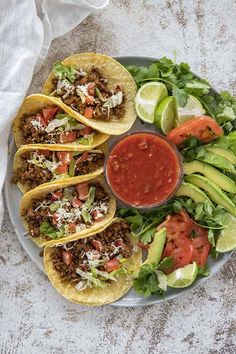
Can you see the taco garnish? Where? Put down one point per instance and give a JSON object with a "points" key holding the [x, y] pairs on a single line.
{"points": [[95, 270], [97, 89], [41, 120], [34, 166], [66, 210]]}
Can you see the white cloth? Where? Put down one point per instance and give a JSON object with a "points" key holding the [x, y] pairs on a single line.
{"points": [[27, 28]]}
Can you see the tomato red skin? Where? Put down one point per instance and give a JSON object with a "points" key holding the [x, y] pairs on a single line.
{"points": [[57, 195], [197, 127], [94, 214], [62, 169], [201, 245], [49, 113], [76, 203], [111, 265], [89, 100], [68, 137], [88, 113], [66, 257], [120, 243], [86, 131], [65, 156], [83, 191], [91, 87], [45, 153], [97, 245], [72, 227], [41, 120], [55, 218]]}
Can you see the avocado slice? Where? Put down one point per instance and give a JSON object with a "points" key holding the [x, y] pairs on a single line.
{"points": [[211, 173], [227, 154], [191, 191], [156, 247], [216, 160], [214, 192]]}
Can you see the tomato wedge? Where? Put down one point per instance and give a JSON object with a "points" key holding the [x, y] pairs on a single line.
{"points": [[41, 119], [65, 156], [203, 128], [181, 250], [111, 265], [48, 113], [68, 137], [201, 245]]}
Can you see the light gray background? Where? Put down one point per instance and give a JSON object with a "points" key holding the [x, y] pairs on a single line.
{"points": [[33, 318]]}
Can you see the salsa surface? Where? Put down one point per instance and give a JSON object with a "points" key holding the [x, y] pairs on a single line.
{"points": [[143, 169]]}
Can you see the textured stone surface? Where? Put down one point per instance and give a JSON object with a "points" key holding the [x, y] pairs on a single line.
{"points": [[33, 319]]}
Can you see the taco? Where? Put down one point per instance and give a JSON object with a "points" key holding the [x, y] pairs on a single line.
{"points": [[66, 210], [95, 270], [97, 90], [33, 165], [44, 120]]}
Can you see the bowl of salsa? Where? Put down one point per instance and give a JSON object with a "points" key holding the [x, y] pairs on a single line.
{"points": [[143, 169]]}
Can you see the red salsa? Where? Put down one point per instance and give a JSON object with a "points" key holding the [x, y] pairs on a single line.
{"points": [[143, 169]]}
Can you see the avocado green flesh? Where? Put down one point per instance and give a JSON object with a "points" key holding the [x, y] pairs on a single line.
{"points": [[217, 161], [156, 247], [191, 191], [214, 192], [211, 173], [227, 154]]}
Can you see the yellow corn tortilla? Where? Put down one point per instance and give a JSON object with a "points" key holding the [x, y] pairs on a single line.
{"points": [[116, 75], [38, 194], [24, 188], [96, 296], [33, 104]]}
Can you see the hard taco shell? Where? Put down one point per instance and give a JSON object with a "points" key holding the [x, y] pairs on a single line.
{"points": [[95, 296], [116, 75], [41, 191], [37, 102]]}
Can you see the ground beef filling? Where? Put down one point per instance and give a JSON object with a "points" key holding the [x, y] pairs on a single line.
{"points": [[75, 252], [74, 100], [36, 215], [30, 134], [33, 175]]}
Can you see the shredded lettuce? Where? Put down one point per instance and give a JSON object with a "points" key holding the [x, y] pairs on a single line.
{"points": [[64, 72], [48, 230], [90, 278], [86, 140]]}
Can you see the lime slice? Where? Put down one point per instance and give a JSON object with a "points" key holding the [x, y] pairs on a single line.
{"points": [[192, 109], [166, 114], [227, 239], [147, 98], [183, 277]]}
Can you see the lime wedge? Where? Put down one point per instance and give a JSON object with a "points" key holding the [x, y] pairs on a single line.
{"points": [[192, 109], [147, 98], [183, 277], [166, 114], [227, 239]]}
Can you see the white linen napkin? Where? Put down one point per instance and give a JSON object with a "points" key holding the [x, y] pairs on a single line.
{"points": [[27, 28]]}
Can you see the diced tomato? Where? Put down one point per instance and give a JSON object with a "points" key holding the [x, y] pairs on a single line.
{"points": [[88, 113], [72, 227], [57, 195], [89, 100], [65, 156], [86, 131], [68, 137], [45, 153], [83, 191], [90, 89], [66, 256], [55, 218], [63, 168], [95, 215], [111, 265], [203, 128], [97, 245], [76, 203], [41, 119], [143, 246], [49, 113]]}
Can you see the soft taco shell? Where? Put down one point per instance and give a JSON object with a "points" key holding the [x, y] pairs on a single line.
{"points": [[117, 75], [37, 102], [24, 188], [95, 296], [41, 191]]}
